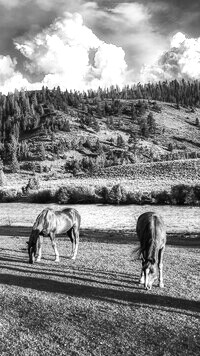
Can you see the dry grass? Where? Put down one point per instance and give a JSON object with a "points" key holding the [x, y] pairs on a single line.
{"points": [[178, 219], [95, 306]]}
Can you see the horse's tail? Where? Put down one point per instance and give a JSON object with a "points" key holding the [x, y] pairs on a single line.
{"points": [[79, 221], [136, 253], [152, 240]]}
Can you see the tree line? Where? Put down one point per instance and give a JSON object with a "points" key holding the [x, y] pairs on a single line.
{"points": [[24, 111]]}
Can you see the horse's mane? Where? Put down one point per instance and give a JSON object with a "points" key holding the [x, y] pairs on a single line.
{"points": [[42, 221]]}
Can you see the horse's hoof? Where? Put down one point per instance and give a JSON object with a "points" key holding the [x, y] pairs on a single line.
{"points": [[161, 285], [56, 260]]}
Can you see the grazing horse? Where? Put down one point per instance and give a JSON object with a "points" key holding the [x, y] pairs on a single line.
{"points": [[49, 223], [152, 236]]}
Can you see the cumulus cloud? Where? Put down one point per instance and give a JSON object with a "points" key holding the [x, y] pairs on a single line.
{"points": [[182, 60], [129, 25], [10, 78], [62, 52], [12, 3]]}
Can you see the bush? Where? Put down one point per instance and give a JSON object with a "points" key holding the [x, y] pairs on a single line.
{"points": [[161, 197], [33, 184], [42, 197], [2, 177], [9, 196], [179, 194], [134, 198], [185, 195], [116, 195], [29, 166], [197, 192], [74, 195]]}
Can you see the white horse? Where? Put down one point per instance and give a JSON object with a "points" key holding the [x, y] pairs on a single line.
{"points": [[49, 223]]}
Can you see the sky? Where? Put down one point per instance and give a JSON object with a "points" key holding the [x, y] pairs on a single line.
{"points": [[86, 44]]}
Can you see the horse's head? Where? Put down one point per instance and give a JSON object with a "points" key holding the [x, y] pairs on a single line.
{"points": [[150, 273], [32, 245]]}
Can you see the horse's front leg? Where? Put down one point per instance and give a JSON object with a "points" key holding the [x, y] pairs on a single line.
{"points": [[141, 281], [75, 243], [52, 237], [142, 277], [39, 248], [160, 266]]}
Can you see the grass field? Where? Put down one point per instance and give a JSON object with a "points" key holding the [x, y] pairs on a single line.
{"points": [[95, 306]]}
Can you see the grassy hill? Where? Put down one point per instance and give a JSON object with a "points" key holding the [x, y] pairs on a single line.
{"points": [[112, 140], [153, 144]]}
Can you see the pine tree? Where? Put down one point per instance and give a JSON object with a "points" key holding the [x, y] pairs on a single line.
{"points": [[15, 167], [2, 176], [120, 141], [42, 152], [151, 122]]}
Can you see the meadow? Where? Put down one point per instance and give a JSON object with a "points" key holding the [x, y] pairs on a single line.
{"points": [[95, 306]]}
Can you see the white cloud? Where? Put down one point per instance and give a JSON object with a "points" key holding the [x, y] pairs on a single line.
{"points": [[130, 26], [110, 66], [13, 3], [182, 60], [131, 14], [62, 54], [10, 79], [177, 39]]}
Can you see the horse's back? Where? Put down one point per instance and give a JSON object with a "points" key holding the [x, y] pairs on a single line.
{"points": [[66, 219], [148, 224]]}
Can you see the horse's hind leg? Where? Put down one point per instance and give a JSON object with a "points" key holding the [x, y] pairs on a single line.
{"points": [[39, 248], [52, 237], [160, 266]]}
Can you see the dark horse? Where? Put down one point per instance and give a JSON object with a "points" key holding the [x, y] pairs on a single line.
{"points": [[152, 236], [49, 223]]}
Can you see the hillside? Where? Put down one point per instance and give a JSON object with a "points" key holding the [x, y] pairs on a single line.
{"points": [[60, 136], [114, 139]]}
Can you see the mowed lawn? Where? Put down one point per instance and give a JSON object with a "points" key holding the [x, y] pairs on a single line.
{"points": [[95, 306]]}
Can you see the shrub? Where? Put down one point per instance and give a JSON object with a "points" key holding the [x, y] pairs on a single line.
{"points": [[33, 184], [197, 192], [116, 195], [2, 177], [178, 194], [42, 197], [84, 195], [63, 195], [161, 197], [9, 196], [184, 194], [29, 166], [134, 198]]}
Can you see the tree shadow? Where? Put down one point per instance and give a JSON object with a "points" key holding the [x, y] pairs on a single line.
{"points": [[111, 295], [8, 230], [74, 275], [109, 236]]}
